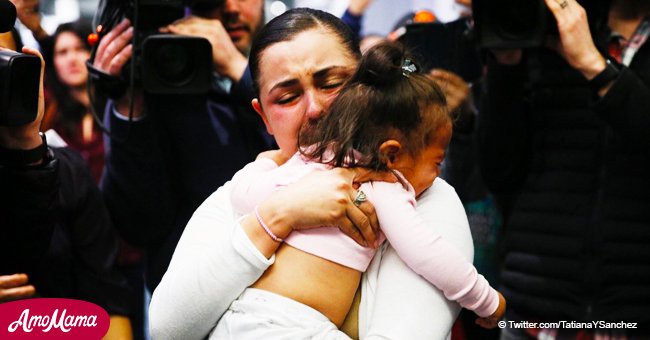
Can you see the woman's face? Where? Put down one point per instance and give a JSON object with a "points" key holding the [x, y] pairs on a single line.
{"points": [[298, 80], [70, 56]]}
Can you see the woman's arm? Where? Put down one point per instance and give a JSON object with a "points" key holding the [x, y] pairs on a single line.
{"points": [[396, 302], [217, 258]]}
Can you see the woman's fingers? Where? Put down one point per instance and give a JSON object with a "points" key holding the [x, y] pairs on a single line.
{"points": [[362, 224]]}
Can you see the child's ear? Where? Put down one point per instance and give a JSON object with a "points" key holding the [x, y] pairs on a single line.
{"points": [[258, 108], [390, 150]]}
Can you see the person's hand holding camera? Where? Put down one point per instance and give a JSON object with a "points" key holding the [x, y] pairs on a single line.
{"points": [[228, 61], [115, 49], [26, 137], [575, 43]]}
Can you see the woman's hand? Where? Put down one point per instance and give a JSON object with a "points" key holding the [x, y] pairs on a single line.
{"points": [[575, 43], [322, 198]]}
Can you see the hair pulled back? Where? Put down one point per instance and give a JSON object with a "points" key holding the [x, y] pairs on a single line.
{"points": [[385, 99], [293, 22]]}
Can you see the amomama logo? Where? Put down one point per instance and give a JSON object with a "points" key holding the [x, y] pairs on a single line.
{"points": [[52, 319]]}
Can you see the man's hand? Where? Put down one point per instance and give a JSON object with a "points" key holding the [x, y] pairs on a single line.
{"points": [[228, 61], [576, 44], [27, 13], [358, 7], [26, 136], [113, 52], [15, 287]]}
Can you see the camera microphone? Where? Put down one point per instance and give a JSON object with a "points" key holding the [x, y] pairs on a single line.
{"points": [[7, 16]]}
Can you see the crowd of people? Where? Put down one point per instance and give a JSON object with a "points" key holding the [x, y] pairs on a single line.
{"points": [[330, 186]]}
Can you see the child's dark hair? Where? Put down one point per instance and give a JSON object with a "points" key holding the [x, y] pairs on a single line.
{"points": [[383, 100]]}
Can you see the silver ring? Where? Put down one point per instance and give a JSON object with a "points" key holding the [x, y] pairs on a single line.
{"points": [[564, 4], [360, 198]]}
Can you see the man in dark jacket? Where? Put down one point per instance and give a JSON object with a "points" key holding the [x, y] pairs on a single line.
{"points": [[180, 148], [566, 131], [56, 232]]}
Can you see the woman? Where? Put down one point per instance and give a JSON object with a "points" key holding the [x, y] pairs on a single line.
{"points": [[299, 61], [68, 105]]}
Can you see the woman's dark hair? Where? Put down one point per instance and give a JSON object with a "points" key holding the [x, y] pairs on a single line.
{"points": [[293, 22], [385, 99], [68, 111]]}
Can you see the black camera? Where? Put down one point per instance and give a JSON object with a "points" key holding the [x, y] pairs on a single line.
{"points": [[523, 23], [166, 63], [19, 78]]}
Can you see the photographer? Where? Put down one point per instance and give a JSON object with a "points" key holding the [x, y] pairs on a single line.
{"points": [[178, 149], [565, 131], [56, 228]]}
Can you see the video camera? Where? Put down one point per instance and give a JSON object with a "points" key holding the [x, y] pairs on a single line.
{"points": [[19, 77], [164, 63], [524, 23]]}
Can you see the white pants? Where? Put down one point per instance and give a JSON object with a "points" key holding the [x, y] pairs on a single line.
{"points": [[258, 314]]}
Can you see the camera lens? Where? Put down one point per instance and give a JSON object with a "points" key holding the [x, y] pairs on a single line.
{"points": [[172, 61]]}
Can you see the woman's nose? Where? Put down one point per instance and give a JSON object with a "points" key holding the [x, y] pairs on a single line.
{"points": [[315, 106]]}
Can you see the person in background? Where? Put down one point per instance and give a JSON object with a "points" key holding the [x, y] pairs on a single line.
{"points": [[57, 234], [177, 149], [564, 129], [353, 15], [67, 102]]}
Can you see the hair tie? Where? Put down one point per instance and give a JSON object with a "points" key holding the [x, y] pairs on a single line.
{"points": [[408, 67]]}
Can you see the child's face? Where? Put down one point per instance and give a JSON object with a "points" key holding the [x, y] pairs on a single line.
{"points": [[423, 168]]}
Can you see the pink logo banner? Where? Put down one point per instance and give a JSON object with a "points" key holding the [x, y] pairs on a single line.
{"points": [[50, 318]]}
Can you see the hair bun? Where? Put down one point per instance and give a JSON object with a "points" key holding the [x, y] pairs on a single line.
{"points": [[382, 64]]}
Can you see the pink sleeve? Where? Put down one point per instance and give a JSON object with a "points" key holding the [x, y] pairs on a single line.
{"points": [[426, 252], [252, 184]]}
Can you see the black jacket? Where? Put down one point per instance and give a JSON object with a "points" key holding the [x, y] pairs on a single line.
{"points": [[57, 230], [577, 244], [160, 169]]}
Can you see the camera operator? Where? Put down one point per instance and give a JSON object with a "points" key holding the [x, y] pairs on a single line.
{"points": [[565, 130], [178, 149], [56, 230]]}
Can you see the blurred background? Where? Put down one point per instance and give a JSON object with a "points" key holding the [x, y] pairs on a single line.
{"points": [[380, 16]]}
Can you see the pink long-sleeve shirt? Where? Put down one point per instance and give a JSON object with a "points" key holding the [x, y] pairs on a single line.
{"points": [[424, 251]]}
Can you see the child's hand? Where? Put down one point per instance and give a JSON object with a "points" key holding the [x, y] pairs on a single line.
{"points": [[492, 320], [275, 155]]}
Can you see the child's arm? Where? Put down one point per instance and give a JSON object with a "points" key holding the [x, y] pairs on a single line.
{"points": [[428, 254], [253, 183]]}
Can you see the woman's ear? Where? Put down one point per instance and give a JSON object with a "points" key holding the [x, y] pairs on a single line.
{"points": [[258, 108], [390, 150]]}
